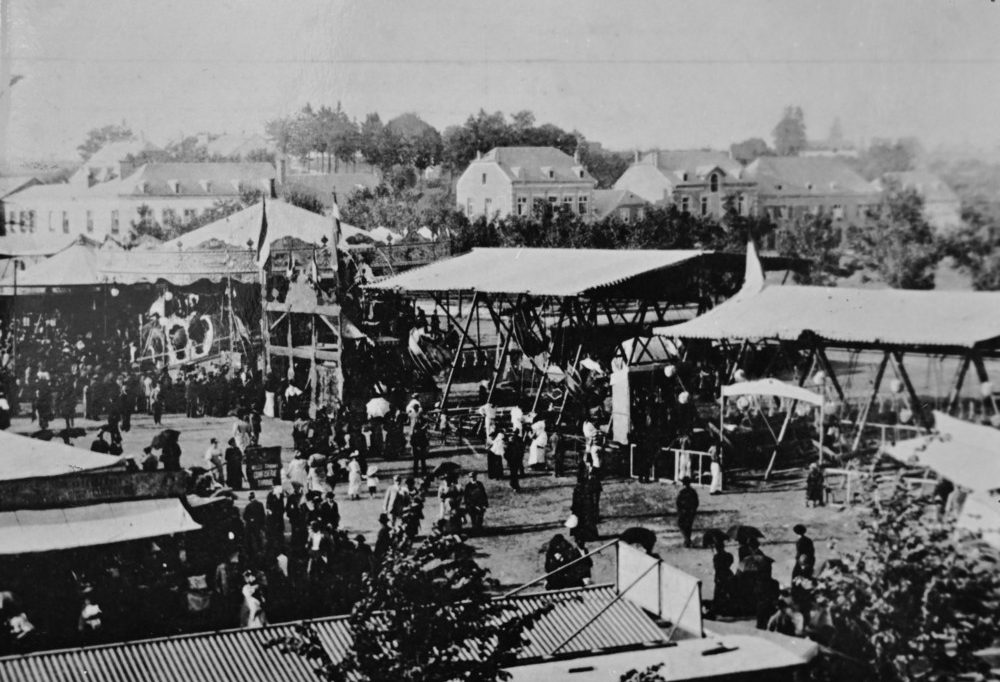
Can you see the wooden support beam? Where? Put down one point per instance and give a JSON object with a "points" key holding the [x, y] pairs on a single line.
{"points": [[304, 353], [915, 405], [863, 417], [983, 378], [562, 407], [458, 352], [956, 388], [828, 368]]}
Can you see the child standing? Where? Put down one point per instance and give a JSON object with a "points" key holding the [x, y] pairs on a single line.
{"points": [[371, 481]]}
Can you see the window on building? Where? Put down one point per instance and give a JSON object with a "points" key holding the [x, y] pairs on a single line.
{"points": [[65, 222], [783, 212], [741, 204], [487, 206], [814, 209], [553, 200], [31, 221], [90, 221], [169, 215], [22, 220], [190, 214], [838, 212], [582, 204], [640, 213], [114, 222], [552, 174], [468, 207], [567, 203], [538, 206], [522, 205], [685, 204], [52, 227], [713, 182], [704, 205], [484, 178], [625, 215]]}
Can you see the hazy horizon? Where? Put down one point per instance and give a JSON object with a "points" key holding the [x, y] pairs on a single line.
{"points": [[634, 74]]}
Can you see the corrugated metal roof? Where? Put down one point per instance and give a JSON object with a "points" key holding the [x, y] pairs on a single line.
{"points": [[542, 272], [852, 317], [240, 656]]}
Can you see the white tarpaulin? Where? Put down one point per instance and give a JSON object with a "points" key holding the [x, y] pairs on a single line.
{"points": [[981, 514], [24, 457], [966, 454], [44, 530], [775, 388]]}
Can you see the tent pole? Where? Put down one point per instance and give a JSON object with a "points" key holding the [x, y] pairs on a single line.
{"points": [[458, 352], [863, 417], [779, 439], [956, 389], [562, 407], [918, 409]]}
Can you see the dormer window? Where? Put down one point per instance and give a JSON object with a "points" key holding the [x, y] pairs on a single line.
{"points": [[141, 187], [206, 186], [548, 172], [175, 186], [809, 186], [684, 176], [579, 171], [235, 184], [713, 182], [778, 187]]}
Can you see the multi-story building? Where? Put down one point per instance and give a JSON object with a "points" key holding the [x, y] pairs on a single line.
{"points": [[170, 192], [519, 180], [791, 187], [699, 181]]}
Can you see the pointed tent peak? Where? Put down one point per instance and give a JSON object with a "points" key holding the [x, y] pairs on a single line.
{"points": [[753, 278]]}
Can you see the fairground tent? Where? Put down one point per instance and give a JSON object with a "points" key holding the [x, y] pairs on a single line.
{"points": [[24, 457], [966, 454], [75, 266], [773, 387], [858, 318], [540, 272], [283, 221]]}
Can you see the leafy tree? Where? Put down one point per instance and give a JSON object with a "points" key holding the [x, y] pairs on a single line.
{"points": [[99, 137], [605, 166], [975, 247], [916, 602], [750, 150], [790, 133], [817, 240], [420, 142], [421, 615], [885, 156], [897, 242], [371, 137], [303, 199]]}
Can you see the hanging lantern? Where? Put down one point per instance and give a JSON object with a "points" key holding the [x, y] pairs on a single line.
{"points": [[802, 409], [743, 403], [831, 408], [986, 389], [684, 397], [669, 371], [114, 292], [169, 296], [905, 415], [896, 386], [739, 375], [819, 378]]}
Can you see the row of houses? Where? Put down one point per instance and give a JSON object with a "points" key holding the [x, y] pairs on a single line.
{"points": [[103, 197], [515, 181]]}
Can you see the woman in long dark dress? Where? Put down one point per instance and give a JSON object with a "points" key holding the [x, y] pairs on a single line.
{"points": [[234, 466]]}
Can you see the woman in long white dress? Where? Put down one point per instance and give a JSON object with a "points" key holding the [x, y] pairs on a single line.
{"points": [[354, 479], [716, 469], [253, 615], [539, 442]]}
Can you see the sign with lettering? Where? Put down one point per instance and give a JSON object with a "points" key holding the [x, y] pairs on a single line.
{"points": [[71, 490], [263, 465]]}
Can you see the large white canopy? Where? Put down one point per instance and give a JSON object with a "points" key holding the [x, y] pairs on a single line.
{"points": [[24, 457], [775, 388], [966, 454], [45, 530]]}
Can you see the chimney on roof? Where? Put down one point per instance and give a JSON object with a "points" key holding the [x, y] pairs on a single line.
{"points": [[576, 155], [479, 155]]}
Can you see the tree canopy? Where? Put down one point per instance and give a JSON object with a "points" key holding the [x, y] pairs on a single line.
{"points": [[99, 137], [484, 131]]}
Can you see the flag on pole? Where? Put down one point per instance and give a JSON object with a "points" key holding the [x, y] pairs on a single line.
{"points": [[263, 243], [335, 214]]}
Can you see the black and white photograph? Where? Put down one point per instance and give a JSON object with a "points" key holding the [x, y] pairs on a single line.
{"points": [[499, 340]]}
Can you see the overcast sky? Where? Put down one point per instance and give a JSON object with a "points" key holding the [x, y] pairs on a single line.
{"points": [[627, 73]]}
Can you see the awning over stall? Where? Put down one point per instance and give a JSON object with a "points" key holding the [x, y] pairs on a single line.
{"points": [[75, 266], [45, 530], [23, 457], [966, 454], [773, 387]]}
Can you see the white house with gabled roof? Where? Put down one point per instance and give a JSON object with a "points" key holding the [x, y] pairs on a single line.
{"points": [[519, 180]]}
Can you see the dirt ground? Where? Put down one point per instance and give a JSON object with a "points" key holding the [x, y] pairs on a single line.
{"points": [[520, 525]]}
